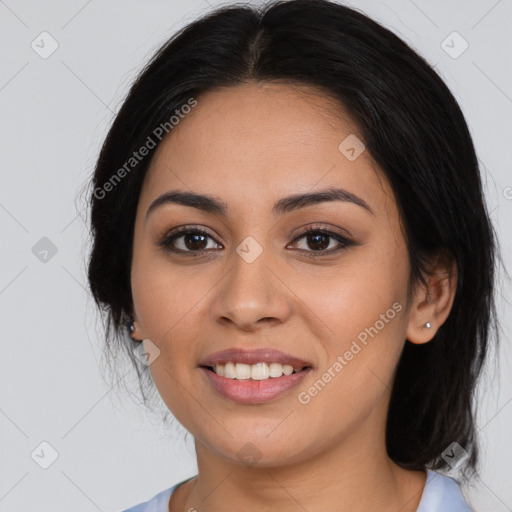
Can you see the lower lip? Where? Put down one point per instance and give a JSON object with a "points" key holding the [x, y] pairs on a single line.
{"points": [[254, 391]]}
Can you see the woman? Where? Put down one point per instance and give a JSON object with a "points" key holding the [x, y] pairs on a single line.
{"points": [[287, 214]]}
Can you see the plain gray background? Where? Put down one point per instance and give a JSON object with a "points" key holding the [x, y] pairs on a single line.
{"points": [[55, 112]]}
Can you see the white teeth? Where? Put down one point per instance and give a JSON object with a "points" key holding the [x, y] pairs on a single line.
{"points": [[287, 369], [243, 371], [258, 371], [276, 369], [229, 370]]}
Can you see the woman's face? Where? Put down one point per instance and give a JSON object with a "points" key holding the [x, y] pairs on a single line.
{"points": [[255, 279]]}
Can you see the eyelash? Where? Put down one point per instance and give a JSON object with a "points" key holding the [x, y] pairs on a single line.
{"points": [[167, 240]]}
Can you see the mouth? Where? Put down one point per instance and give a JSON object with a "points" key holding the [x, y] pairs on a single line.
{"points": [[258, 371], [253, 376]]}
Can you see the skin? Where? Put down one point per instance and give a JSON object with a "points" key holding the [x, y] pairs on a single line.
{"points": [[251, 145]]}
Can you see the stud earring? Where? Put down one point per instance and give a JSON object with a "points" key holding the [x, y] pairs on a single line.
{"points": [[428, 325], [131, 328]]}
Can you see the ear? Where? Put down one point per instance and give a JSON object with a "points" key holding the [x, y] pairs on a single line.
{"points": [[136, 334], [432, 301]]}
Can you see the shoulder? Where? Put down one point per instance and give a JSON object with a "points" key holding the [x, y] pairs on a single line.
{"points": [[158, 503], [442, 494]]}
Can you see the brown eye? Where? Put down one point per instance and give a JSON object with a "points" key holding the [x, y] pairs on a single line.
{"points": [[188, 240], [194, 241], [318, 242]]}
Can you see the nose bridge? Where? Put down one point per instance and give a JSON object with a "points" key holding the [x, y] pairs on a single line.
{"points": [[250, 292]]}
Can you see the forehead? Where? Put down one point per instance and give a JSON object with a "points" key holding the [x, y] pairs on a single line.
{"points": [[255, 142]]}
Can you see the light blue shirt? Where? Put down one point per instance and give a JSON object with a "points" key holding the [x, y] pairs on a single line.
{"points": [[441, 494]]}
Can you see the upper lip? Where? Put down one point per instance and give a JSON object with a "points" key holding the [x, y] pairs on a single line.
{"points": [[247, 356]]}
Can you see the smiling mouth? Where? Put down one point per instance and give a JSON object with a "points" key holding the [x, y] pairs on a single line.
{"points": [[258, 371]]}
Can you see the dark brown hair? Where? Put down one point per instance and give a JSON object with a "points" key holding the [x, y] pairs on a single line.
{"points": [[413, 128]]}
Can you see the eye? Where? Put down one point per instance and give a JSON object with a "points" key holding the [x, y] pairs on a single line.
{"points": [[193, 241], [187, 239], [319, 240]]}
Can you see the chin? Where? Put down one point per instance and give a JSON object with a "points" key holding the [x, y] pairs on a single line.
{"points": [[260, 451]]}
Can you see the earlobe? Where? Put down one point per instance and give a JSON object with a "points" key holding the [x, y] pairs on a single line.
{"points": [[132, 324], [134, 330], [419, 334], [432, 301]]}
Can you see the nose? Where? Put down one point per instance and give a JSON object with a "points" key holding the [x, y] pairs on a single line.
{"points": [[252, 295]]}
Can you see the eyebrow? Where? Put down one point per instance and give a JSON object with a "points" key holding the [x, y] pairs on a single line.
{"points": [[217, 206]]}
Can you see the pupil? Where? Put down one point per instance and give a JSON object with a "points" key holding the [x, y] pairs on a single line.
{"points": [[195, 238], [317, 241]]}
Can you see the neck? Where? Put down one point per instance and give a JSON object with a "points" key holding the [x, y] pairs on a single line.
{"points": [[352, 475]]}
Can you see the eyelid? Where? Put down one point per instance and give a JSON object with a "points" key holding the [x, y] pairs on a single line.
{"points": [[343, 241], [183, 230], [301, 230]]}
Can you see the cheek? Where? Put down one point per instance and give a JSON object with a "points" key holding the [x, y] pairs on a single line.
{"points": [[171, 305], [167, 304], [361, 311], [360, 358], [166, 295], [352, 296]]}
